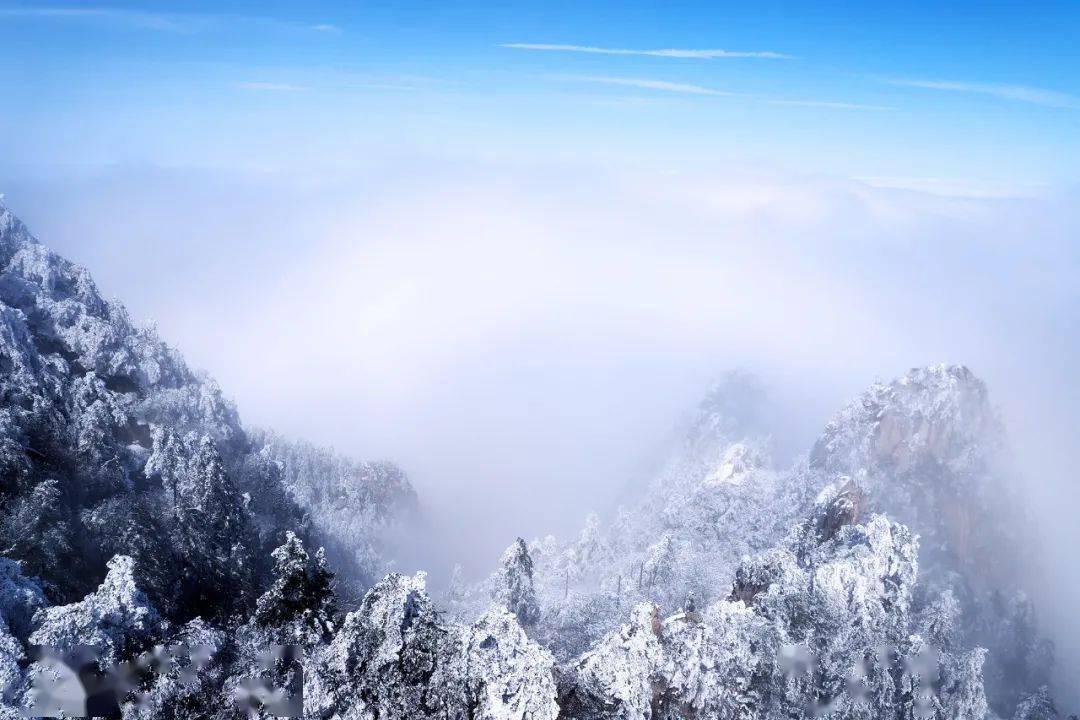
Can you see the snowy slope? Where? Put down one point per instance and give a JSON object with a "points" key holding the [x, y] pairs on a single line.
{"points": [[90, 399]]}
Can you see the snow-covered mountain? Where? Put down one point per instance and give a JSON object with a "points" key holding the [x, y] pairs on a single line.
{"points": [[926, 450], [874, 578], [929, 450], [112, 447], [106, 433]]}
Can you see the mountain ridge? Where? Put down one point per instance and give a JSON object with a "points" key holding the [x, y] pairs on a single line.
{"points": [[82, 377]]}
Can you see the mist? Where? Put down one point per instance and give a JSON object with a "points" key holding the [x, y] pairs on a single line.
{"points": [[523, 339]]}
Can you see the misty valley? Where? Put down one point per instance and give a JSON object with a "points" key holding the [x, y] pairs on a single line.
{"points": [[886, 573]]}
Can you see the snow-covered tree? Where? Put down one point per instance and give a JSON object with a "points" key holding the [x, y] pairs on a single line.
{"points": [[508, 676], [616, 679], [11, 674], [395, 657], [185, 678], [116, 619], [35, 530], [388, 659], [212, 531], [515, 585], [300, 606], [20, 598], [1036, 706]]}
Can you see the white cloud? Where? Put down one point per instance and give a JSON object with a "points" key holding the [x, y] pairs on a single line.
{"points": [[271, 87], [706, 54], [648, 84], [130, 18], [143, 20], [830, 104], [1017, 93], [958, 187], [691, 89]]}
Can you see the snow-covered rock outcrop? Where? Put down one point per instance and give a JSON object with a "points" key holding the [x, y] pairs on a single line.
{"points": [[395, 657], [815, 626]]}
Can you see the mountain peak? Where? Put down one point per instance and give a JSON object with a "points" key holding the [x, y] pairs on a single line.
{"points": [[735, 408], [13, 233], [936, 415]]}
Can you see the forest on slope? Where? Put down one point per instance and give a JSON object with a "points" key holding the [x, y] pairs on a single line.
{"points": [[880, 576]]}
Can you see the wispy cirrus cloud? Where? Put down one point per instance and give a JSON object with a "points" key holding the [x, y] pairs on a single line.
{"points": [[704, 54], [957, 187], [130, 18], [1016, 93], [160, 21], [650, 84], [691, 89], [827, 104], [271, 87]]}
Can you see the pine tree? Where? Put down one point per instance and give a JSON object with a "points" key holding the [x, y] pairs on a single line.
{"points": [[300, 605], [214, 536], [168, 462], [940, 620], [516, 591], [457, 589], [35, 531], [1037, 706]]}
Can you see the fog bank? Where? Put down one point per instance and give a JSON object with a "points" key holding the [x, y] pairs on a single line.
{"points": [[523, 339]]}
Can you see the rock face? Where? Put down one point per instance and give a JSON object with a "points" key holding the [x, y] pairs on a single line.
{"points": [[927, 449]]}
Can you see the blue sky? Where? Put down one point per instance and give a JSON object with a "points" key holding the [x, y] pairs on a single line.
{"points": [[980, 96]]}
